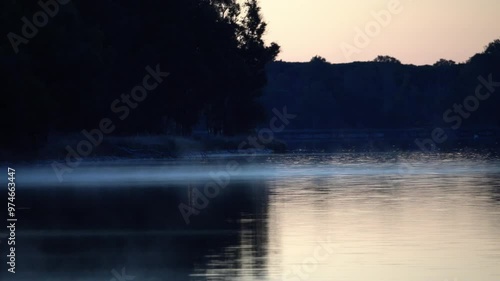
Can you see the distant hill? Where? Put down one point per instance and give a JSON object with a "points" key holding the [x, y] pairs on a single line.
{"points": [[386, 94]]}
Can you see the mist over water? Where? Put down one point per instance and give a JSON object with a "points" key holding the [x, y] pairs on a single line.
{"points": [[150, 173], [386, 216]]}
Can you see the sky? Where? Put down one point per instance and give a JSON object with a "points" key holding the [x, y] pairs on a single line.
{"points": [[414, 31]]}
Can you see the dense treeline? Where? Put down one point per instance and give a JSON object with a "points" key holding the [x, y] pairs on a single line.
{"points": [[63, 64], [66, 65], [385, 93]]}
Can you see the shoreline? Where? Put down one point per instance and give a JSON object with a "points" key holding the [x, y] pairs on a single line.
{"points": [[290, 141]]}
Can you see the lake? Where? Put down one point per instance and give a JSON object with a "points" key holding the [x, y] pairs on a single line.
{"points": [[340, 216]]}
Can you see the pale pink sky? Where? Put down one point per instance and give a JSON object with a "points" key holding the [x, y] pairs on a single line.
{"points": [[421, 33]]}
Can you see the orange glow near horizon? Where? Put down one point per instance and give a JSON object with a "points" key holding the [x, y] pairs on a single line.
{"points": [[421, 33]]}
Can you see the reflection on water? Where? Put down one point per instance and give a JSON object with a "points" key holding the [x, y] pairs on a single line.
{"points": [[289, 217]]}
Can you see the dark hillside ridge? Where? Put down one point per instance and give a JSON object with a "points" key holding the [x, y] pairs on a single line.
{"points": [[366, 95]]}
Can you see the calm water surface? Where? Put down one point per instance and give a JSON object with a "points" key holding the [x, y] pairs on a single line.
{"points": [[348, 216]]}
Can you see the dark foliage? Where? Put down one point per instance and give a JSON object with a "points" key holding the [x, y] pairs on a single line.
{"points": [[66, 77], [383, 93]]}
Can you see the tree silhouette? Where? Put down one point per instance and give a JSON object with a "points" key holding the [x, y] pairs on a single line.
{"points": [[386, 95], [443, 62], [67, 76], [236, 110], [318, 59], [386, 59], [493, 48]]}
